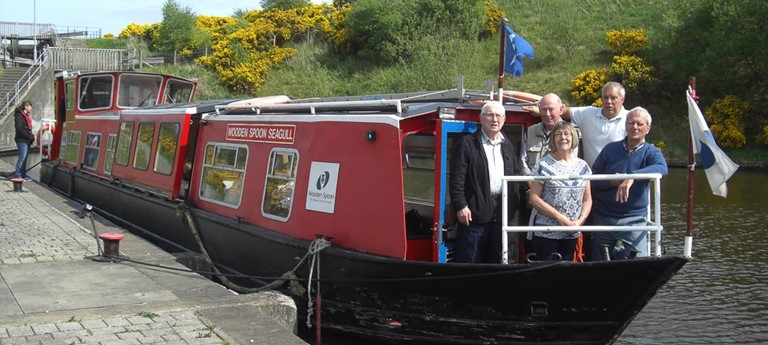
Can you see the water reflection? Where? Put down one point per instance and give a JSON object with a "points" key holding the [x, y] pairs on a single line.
{"points": [[721, 297]]}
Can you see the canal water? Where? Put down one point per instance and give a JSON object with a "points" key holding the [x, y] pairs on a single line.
{"points": [[721, 296]]}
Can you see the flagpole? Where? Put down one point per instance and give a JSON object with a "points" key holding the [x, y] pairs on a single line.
{"points": [[688, 249], [502, 49]]}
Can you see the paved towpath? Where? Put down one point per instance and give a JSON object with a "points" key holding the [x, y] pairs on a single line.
{"points": [[51, 292]]}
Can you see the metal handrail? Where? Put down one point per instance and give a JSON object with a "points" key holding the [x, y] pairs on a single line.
{"points": [[654, 218], [24, 82]]}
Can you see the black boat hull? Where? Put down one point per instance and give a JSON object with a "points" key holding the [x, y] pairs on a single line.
{"points": [[395, 300]]}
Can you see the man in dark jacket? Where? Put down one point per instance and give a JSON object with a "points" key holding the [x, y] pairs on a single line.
{"points": [[24, 138], [479, 162]]}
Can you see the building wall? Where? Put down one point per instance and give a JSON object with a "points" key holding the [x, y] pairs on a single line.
{"points": [[41, 94]]}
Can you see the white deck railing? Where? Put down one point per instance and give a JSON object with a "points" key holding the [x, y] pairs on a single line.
{"points": [[654, 211]]}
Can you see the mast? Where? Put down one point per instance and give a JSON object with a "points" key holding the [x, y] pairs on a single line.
{"points": [[691, 167], [502, 49]]}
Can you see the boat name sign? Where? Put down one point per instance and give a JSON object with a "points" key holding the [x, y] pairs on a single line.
{"points": [[265, 133]]}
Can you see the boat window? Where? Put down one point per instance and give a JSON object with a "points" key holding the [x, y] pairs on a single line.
{"points": [[64, 144], [281, 178], [73, 147], [166, 148], [223, 173], [178, 91], [124, 143], [95, 92], [109, 157], [92, 146], [138, 90], [419, 166], [143, 145], [70, 97]]}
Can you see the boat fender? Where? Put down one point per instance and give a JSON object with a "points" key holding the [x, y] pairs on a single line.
{"points": [[520, 97], [262, 100]]}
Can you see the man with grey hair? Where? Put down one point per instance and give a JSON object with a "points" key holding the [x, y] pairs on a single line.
{"points": [[625, 202], [600, 125], [479, 162]]}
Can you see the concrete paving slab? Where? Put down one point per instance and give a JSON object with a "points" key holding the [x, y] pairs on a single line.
{"points": [[46, 287]]}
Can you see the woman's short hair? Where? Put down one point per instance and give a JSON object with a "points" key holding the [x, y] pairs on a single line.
{"points": [[563, 125]]}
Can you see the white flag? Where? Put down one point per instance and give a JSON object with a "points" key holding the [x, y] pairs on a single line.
{"points": [[717, 165]]}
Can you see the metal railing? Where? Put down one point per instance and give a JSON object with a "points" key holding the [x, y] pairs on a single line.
{"points": [[653, 219], [11, 98], [85, 59], [27, 30]]}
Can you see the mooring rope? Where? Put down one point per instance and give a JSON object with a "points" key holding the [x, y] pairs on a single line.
{"points": [[314, 249]]}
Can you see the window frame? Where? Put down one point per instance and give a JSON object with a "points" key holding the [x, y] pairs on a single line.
{"points": [[148, 150], [239, 166], [271, 176], [109, 155], [160, 146], [87, 149], [71, 144], [121, 142]]}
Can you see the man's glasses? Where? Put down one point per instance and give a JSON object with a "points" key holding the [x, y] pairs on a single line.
{"points": [[490, 116]]}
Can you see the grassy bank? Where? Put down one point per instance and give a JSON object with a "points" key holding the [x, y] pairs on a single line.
{"points": [[568, 37]]}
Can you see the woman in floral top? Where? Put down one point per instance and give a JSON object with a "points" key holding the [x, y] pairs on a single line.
{"points": [[559, 202]]}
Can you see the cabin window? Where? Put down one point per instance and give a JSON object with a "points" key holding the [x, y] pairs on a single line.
{"points": [[92, 146], [124, 143], [224, 173], [166, 148], [281, 178], [70, 97], [419, 166], [138, 90], [64, 144], [178, 91], [95, 92], [109, 157], [143, 145], [73, 147]]}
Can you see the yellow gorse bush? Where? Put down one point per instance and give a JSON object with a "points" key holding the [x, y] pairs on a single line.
{"points": [[243, 58], [727, 121], [588, 85], [627, 42], [631, 70], [627, 68], [136, 30], [494, 15], [762, 138]]}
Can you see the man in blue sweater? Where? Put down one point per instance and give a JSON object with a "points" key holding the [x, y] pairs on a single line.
{"points": [[625, 202]]}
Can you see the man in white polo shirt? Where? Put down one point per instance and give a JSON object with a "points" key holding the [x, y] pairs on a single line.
{"points": [[600, 126]]}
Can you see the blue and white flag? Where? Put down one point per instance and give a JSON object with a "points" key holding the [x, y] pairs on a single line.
{"points": [[717, 165], [515, 49]]}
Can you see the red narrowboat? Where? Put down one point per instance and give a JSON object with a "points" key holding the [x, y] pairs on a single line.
{"points": [[344, 198]]}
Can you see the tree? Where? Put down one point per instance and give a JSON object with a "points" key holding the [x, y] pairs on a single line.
{"points": [[178, 29], [283, 4], [723, 44]]}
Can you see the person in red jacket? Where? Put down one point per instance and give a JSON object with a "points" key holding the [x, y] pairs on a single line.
{"points": [[24, 138]]}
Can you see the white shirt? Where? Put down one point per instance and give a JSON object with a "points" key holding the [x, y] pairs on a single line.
{"points": [[495, 161], [597, 130]]}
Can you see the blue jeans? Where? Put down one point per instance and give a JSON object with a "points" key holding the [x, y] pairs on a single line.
{"points": [[631, 243], [21, 163]]}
